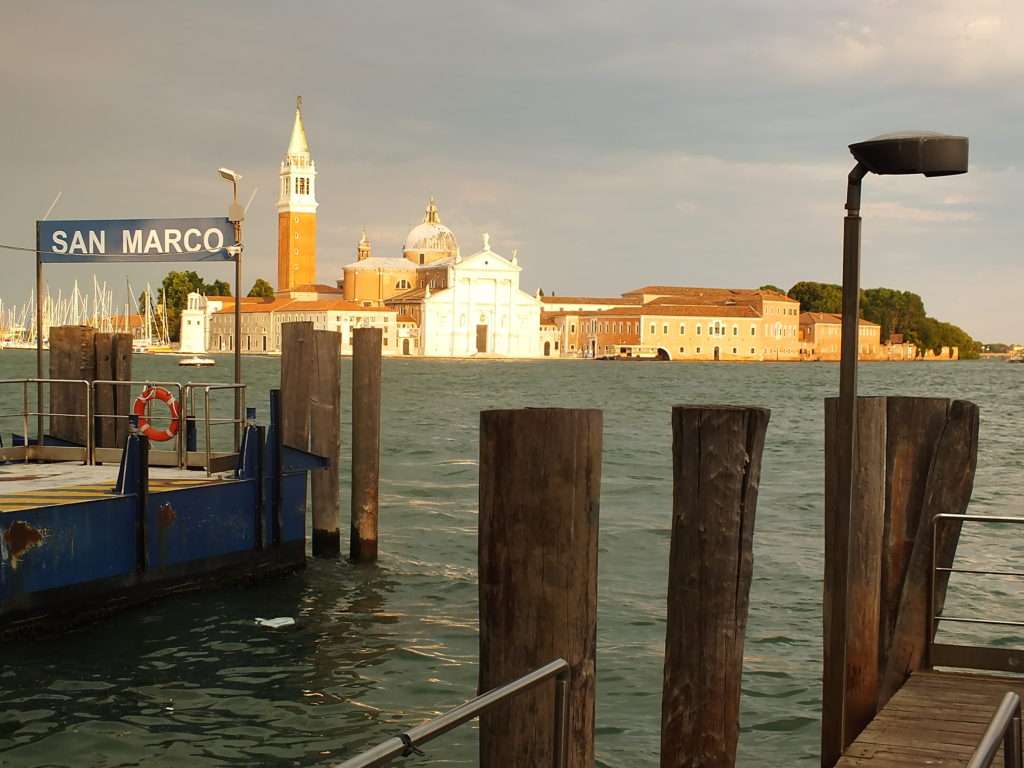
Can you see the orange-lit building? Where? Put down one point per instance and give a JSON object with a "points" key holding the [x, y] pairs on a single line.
{"points": [[296, 212]]}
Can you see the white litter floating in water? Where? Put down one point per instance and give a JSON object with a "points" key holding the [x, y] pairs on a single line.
{"points": [[280, 621]]}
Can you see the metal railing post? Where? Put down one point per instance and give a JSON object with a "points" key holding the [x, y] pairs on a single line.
{"points": [[24, 388], [560, 752], [1012, 743]]}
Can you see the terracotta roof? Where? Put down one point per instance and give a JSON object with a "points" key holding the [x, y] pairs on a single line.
{"points": [[408, 319], [614, 300], [315, 288], [710, 294], [414, 294], [294, 305], [828, 318], [682, 310]]}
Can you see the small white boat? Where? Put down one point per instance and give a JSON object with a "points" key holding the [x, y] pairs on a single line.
{"points": [[197, 361]]}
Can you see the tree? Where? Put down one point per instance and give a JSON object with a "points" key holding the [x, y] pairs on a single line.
{"points": [[174, 293], [773, 288], [817, 297], [261, 289]]}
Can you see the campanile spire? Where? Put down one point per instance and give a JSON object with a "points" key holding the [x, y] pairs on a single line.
{"points": [[296, 211]]}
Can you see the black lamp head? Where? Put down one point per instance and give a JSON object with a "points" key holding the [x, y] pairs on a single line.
{"points": [[931, 154]]}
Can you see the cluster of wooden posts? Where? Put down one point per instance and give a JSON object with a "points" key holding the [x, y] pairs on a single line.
{"points": [[78, 353], [916, 458], [311, 421]]}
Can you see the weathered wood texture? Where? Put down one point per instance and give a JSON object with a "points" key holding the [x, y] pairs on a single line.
{"points": [[935, 719], [366, 382], [296, 383], [325, 439], [716, 453], [540, 480], [72, 356], [121, 368], [105, 425], [914, 425], [947, 490], [865, 562]]}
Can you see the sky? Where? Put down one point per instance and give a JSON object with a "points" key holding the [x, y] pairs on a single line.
{"points": [[612, 144]]}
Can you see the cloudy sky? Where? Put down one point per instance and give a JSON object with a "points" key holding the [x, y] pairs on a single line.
{"points": [[614, 144]]}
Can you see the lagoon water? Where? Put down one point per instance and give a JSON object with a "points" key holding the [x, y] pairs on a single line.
{"points": [[192, 681]]}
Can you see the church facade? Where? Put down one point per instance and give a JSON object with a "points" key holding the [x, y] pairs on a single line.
{"points": [[452, 306]]}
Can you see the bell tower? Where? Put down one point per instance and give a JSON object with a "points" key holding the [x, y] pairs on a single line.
{"points": [[296, 212]]}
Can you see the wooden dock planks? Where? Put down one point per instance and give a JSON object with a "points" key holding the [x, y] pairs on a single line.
{"points": [[935, 719]]}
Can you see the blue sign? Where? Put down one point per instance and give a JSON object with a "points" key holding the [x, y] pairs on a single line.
{"points": [[136, 240]]}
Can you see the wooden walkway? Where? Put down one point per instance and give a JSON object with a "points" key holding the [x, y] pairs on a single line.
{"points": [[936, 719]]}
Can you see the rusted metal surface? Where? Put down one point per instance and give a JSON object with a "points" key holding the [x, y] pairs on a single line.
{"points": [[165, 515], [18, 538]]}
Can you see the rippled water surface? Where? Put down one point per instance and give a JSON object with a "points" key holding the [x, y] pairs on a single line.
{"points": [[191, 680]]}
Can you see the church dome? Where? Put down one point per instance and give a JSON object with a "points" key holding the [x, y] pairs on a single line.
{"points": [[431, 236]]}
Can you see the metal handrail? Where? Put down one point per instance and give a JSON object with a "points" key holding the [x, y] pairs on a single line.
{"points": [[1004, 729], [207, 388], [27, 411], [935, 616], [403, 744]]}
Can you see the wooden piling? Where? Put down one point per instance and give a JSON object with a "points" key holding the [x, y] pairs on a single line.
{"points": [[947, 490], [540, 479], [103, 394], [865, 566], [366, 380], [72, 356], [296, 383], [716, 452], [325, 439], [121, 368]]}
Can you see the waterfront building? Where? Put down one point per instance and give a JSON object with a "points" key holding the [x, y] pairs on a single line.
{"points": [[821, 337], [296, 211], [194, 335], [449, 306], [261, 322], [679, 323]]}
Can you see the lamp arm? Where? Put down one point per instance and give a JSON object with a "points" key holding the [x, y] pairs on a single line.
{"points": [[853, 189]]}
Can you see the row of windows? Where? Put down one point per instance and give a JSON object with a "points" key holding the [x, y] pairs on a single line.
{"points": [[714, 329]]}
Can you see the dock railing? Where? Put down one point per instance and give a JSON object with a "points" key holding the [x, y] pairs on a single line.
{"points": [[408, 743], [990, 658], [183, 455], [1004, 729]]}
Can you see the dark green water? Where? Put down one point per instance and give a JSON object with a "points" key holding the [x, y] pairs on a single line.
{"points": [[191, 681]]}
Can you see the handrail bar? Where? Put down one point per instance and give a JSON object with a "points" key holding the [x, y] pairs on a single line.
{"points": [[1004, 729], [87, 456], [403, 744], [934, 616], [207, 388]]}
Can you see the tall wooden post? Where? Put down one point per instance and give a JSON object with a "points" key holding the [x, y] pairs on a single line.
{"points": [[366, 377], [716, 458], [540, 481], [72, 356], [103, 402], [325, 439], [296, 383], [121, 368], [864, 571]]}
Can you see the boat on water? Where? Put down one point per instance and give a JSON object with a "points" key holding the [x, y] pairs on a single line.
{"points": [[197, 361]]}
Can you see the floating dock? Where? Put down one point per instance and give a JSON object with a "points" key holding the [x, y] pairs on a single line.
{"points": [[79, 539]]}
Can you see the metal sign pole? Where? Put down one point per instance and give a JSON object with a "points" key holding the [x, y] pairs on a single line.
{"points": [[39, 341], [238, 336]]}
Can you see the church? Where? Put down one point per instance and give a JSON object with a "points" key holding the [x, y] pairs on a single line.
{"points": [[452, 306]]}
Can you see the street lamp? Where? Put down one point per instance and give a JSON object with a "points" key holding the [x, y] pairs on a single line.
{"points": [[921, 152], [236, 214]]}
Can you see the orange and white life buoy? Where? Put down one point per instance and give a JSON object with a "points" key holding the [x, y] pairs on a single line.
{"points": [[139, 409]]}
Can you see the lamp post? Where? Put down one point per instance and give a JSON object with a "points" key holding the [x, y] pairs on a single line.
{"points": [[929, 154], [236, 214]]}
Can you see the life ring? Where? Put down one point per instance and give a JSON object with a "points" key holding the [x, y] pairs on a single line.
{"points": [[139, 409]]}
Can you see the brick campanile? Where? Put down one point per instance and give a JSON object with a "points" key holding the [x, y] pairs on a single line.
{"points": [[296, 212]]}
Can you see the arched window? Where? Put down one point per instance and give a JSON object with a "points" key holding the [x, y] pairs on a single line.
{"points": [[402, 285]]}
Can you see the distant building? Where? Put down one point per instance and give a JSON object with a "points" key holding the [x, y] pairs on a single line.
{"points": [[679, 323], [194, 334], [450, 306], [821, 337], [296, 211]]}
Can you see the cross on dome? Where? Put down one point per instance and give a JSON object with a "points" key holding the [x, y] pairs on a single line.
{"points": [[431, 215], [487, 242]]}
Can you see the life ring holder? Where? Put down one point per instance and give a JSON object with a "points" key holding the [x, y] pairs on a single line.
{"points": [[139, 409]]}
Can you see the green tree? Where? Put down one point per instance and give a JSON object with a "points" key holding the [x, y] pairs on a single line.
{"points": [[770, 287], [216, 288], [174, 293], [817, 297], [261, 289]]}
